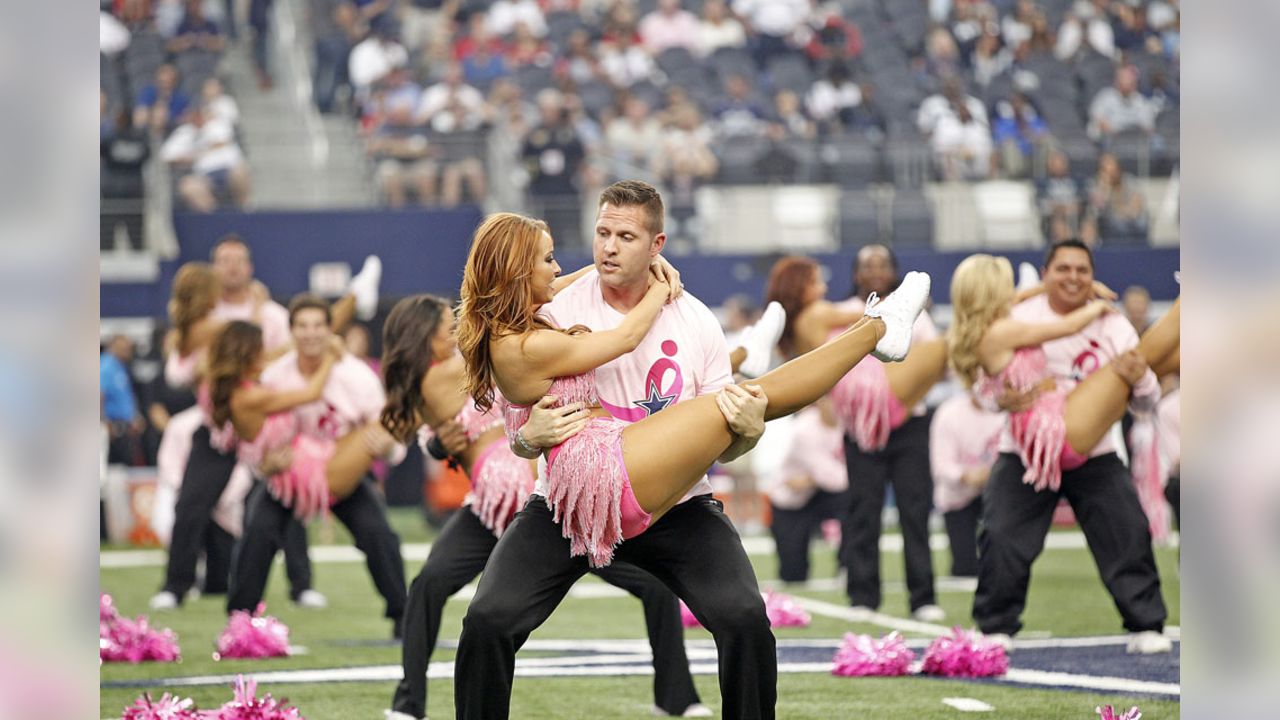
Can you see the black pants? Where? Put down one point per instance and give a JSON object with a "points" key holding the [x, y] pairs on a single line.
{"points": [[1016, 518], [905, 463], [693, 549], [793, 530], [457, 557], [1173, 493], [962, 532], [265, 525]]}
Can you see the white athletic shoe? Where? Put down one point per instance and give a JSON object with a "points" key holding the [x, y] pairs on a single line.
{"points": [[163, 600], [1001, 639], [1028, 276], [695, 710], [312, 600], [365, 287], [1149, 642], [898, 311], [929, 614], [395, 715], [760, 339]]}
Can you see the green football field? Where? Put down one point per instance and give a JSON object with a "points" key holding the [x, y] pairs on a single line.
{"points": [[1066, 601]]}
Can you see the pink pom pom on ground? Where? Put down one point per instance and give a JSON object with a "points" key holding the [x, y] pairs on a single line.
{"points": [[253, 636], [123, 640], [863, 655], [247, 706], [167, 707], [965, 653], [686, 616], [784, 611], [1109, 713]]}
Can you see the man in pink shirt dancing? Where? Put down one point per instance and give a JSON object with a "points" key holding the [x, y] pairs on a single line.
{"points": [[1016, 517], [693, 548], [352, 397]]}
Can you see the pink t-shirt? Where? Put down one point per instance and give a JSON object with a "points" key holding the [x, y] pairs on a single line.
{"points": [[352, 397], [683, 356], [274, 320], [816, 452], [1075, 357], [961, 437], [923, 331]]}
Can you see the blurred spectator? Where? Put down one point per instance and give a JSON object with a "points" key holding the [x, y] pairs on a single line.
{"points": [[454, 111], [478, 36], [684, 159], [1085, 25], [946, 103], [989, 59], [718, 28], [1060, 197], [963, 439], [336, 34], [527, 48], [553, 155], [1137, 307], [123, 152], [1165, 20], [398, 143], [1017, 131], [772, 23], [961, 144], [669, 26], [218, 104], [426, 24], [356, 339], [372, 11], [579, 63], [632, 137], [197, 32], [941, 55], [260, 24], [1117, 211], [119, 405], [207, 147], [504, 15], [739, 114], [113, 36], [624, 60], [831, 37], [1129, 26], [788, 119], [970, 20], [1121, 107], [839, 105], [738, 313], [374, 58], [1015, 28], [161, 104]]}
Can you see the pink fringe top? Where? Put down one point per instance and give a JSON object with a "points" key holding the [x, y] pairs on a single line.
{"points": [[585, 473], [1041, 430]]}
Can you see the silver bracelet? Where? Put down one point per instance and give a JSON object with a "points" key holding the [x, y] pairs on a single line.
{"points": [[524, 444]]}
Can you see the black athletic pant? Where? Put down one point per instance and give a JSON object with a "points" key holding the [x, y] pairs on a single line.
{"points": [[905, 463], [962, 533], [794, 529], [693, 549], [458, 555], [265, 525], [220, 545], [1016, 518]]}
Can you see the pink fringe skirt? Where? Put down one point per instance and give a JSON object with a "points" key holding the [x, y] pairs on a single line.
{"points": [[303, 487], [866, 407], [1041, 434], [500, 482], [589, 492]]}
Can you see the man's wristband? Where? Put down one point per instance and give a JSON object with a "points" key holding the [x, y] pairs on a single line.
{"points": [[435, 448], [525, 444]]}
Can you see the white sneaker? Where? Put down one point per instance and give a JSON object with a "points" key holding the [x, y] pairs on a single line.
{"points": [[365, 287], [899, 311], [1149, 642], [695, 710], [760, 339], [1001, 639], [860, 613], [1028, 276], [929, 614], [312, 600], [164, 600], [395, 715]]}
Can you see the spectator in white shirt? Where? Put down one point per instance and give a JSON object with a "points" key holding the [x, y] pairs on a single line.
{"points": [[773, 22], [504, 15], [719, 29], [374, 58], [633, 137], [1121, 107], [208, 147]]}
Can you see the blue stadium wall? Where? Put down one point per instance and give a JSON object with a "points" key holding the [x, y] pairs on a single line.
{"points": [[424, 251]]}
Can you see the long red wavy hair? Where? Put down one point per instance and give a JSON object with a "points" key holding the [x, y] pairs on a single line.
{"points": [[789, 283]]}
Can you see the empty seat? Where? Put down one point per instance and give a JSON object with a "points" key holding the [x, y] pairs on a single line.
{"points": [[851, 163], [859, 219], [911, 219]]}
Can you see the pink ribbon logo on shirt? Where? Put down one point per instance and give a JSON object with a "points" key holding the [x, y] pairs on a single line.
{"points": [[656, 396], [1086, 362]]}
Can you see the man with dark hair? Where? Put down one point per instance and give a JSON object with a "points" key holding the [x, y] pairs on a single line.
{"points": [[352, 397], [1016, 516], [902, 462], [693, 548]]}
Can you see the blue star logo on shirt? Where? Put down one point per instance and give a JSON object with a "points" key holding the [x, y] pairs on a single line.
{"points": [[656, 401]]}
